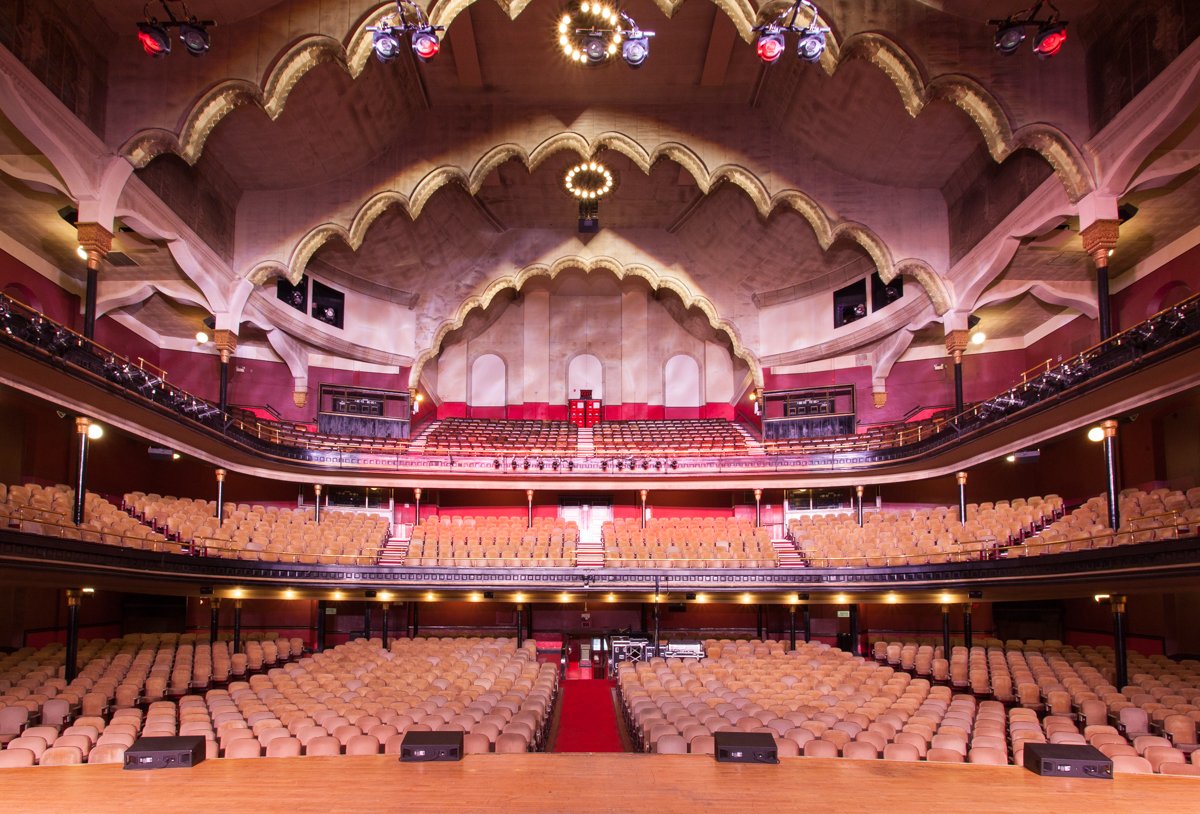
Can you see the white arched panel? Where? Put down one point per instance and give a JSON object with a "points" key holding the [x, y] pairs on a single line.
{"points": [[681, 382], [487, 381], [585, 373]]}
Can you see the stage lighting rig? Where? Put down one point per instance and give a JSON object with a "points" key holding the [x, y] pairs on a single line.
{"points": [[810, 38], [1047, 42], [408, 20], [591, 32], [155, 39]]}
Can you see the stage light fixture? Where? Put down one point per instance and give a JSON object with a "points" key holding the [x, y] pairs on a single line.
{"points": [[408, 19], [155, 39], [591, 33], [195, 37], [810, 42], [1051, 33], [635, 49]]}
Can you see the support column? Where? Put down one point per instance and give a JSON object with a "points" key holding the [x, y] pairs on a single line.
{"points": [[966, 626], [946, 632], [1099, 240], [529, 502], [417, 515], [858, 490], [214, 619], [644, 494], [657, 628], [225, 342], [82, 425], [387, 608], [791, 627], [807, 624], [854, 645], [520, 625], [761, 625], [220, 496], [529, 622], [97, 242], [237, 626], [961, 477], [320, 632], [367, 621], [1120, 655], [317, 508], [758, 508], [956, 346], [416, 618], [73, 600], [1112, 476]]}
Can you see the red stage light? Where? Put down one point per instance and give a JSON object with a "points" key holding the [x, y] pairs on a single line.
{"points": [[1050, 40], [770, 47], [154, 39], [426, 46]]}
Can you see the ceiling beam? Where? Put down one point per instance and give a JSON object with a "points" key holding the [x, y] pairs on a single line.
{"points": [[466, 52], [720, 49]]}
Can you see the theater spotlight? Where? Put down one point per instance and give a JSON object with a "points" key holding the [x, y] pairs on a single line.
{"points": [[592, 32], [635, 50], [1047, 42], [154, 38], [408, 19], [155, 41], [195, 37], [810, 42]]}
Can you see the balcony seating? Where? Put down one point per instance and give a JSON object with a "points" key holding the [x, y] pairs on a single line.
{"points": [[700, 438], [1160, 514], [879, 437], [481, 436], [709, 542], [266, 534], [48, 510], [492, 542]]}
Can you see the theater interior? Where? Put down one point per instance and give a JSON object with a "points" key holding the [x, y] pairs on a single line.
{"points": [[627, 393]]}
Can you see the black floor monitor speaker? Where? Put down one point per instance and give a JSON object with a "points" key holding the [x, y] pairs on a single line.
{"points": [[1067, 760], [745, 747], [427, 746], [165, 753]]}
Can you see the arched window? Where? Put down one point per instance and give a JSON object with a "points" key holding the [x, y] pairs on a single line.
{"points": [[585, 372], [681, 382], [488, 384]]}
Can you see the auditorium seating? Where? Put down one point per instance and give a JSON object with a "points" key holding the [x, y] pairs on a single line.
{"points": [[353, 699], [267, 534], [482, 436], [694, 438], [708, 542], [817, 701], [1160, 514], [48, 510], [490, 542]]}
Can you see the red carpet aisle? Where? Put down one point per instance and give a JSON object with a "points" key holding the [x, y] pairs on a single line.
{"points": [[588, 721]]}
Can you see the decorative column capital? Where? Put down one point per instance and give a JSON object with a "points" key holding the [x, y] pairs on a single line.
{"points": [[417, 492], [1109, 425], [1117, 602], [956, 344], [858, 490], [757, 495], [74, 597], [300, 397], [1099, 239], [225, 341], [961, 477], [317, 489], [81, 424], [644, 493], [879, 397], [220, 473], [95, 240]]}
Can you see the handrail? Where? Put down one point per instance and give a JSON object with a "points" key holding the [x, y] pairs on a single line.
{"points": [[1038, 367]]}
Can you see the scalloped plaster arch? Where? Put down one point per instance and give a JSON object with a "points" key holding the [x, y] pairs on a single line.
{"points": [[517, 281], [826, 228], [969, 96]]}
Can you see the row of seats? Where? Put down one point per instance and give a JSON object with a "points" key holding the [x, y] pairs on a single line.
{"points": [[698, 437], [354, 699], [1160, 514], [706, 542], [266, 534], [493, 542], [485, 436], [49, 511]]}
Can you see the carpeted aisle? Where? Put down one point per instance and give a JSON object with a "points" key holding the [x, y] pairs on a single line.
{"points": [[588, 720]]}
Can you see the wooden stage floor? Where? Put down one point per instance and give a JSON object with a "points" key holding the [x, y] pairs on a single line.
{"points": [[573, 783]]}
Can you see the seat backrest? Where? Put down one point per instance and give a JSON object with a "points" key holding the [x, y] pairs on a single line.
{"points": [[61, 756], [17, 758], [325, 745], [284, 747], [107, 753]]}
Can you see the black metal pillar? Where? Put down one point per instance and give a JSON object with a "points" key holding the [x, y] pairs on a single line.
{"points": [[214, 619], [73, 599], [854, 635], [1112, 475], [520, 625], [387, 608], [962, 497], [529, 622], [966, 626], [1120, 655], [367, 622], [792, 627], [1102, 302], [82, 425], [958, 384], [946, 632], [89, 303], [657, 628], [317, 508], [807, 623], [758, 508], [416, 618], [223, 392], [858, 490], [220, 496], [761, 625], [320, 637], [237, 626]]}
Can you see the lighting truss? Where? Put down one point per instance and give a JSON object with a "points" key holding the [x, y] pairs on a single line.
{"points": [[1049, 39], [408, 20], [156, 41], [592, 32], [810, 37]]}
